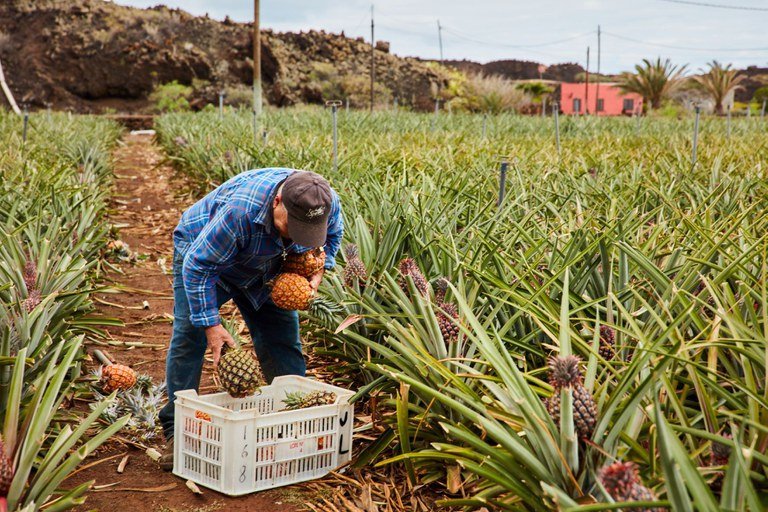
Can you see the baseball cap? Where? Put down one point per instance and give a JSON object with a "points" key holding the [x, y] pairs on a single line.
{"points": [[307, 198]]}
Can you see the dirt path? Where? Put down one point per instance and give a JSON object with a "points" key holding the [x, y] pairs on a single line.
{"points": [[147, 210]]}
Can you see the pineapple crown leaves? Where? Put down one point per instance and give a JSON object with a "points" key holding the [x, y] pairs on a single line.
{"points": [[565, 371], [351, 251]]}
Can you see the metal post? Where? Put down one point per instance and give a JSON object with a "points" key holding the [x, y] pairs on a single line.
{"points": [[728, 121], [637, 122], [544, 106], [373, 61], [221, 104], [347, 106], [502, 181], [395, 104], [264, 135], [762, 111], [434, 118], [26, 124], [255, 127], [485, 124], [557, 126], [586, 87], [257, 100], [695, 135], [597, 87], [334, 108]]}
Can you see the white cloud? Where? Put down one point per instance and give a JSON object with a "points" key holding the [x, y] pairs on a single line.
{"points": [[486, 30]]}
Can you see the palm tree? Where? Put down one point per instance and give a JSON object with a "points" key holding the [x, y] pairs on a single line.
{"points": [[719, 82], [654, 81]]}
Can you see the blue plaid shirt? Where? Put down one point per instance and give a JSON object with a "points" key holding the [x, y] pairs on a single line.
{"points": [[228, 239]]}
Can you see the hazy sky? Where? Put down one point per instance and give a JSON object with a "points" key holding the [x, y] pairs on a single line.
{"points": [[548, 31]]}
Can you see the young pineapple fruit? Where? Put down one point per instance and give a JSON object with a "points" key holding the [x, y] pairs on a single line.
{"points": [[355, 268], [301, 400], [721, 453], [564, 373], [238, 372], [447, 312], [305, 264], [407, 268], [6, 470], [30, 282], [292, 292], [607, 343], [622, 481], [117, 376]]}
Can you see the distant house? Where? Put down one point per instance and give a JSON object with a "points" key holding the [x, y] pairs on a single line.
{"points": [[577, 99]]}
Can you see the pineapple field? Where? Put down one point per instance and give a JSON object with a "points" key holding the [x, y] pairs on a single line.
{"points": [[530, 321]]}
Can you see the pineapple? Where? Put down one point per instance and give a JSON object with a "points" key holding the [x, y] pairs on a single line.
{"points": [[117, 376], [622, 481], [238, 372], [564, 373], [32, 301], [30, 276], [305, 264], [292, 292], [720, 453], [6, 470], [407, 268], [300, 400], [355, 268], [447, 312], [607, 343]]}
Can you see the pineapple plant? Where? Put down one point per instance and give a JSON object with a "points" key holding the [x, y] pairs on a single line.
{"points": [[607, 348], [408, 267], [355, 268], [292, 292], [301, 400], [305, 264], [622, 481], [564, 373], [447, 312], [238, 372]]}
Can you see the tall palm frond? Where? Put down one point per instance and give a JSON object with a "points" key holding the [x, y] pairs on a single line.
{"points": [[718, 83], [654, 81]]}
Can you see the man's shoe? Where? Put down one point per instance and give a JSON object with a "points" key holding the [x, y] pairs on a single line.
{"points": [[166, 460]]}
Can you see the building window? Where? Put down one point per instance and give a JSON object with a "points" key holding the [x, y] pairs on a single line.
{"points": [[600, 105], [577, 104], [629, 105]]}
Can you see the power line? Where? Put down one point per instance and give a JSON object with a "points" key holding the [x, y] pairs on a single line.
{"points": [[718, 6], [688, 48], [461, 35]]}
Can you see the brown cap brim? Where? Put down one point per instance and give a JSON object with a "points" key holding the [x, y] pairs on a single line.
{"points": [[305, 234]]}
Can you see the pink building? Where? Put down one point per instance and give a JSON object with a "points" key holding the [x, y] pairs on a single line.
{"points": [[612, 101]]}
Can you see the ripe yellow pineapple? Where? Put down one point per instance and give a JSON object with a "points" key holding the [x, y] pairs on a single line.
{"points": [[305, 264], [238, 372], [292, 292], [117, 376]]}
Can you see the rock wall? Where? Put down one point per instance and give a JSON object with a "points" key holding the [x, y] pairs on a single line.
{"points": [[90, 54]]}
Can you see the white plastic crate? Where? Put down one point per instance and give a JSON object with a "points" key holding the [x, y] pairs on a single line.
{"points": [[241, 445]]}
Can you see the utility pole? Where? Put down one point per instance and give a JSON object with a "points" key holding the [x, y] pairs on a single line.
{"points": [[256, 60], [439, 83], [586, 87], [440, 40], [597, 88], [373, 62]]}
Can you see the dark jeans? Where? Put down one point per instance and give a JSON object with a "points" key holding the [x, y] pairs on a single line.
{"points": [[275, 334]]}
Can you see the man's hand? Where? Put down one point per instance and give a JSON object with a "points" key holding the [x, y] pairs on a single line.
{"points": [[217, 336], [315, 280]]}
